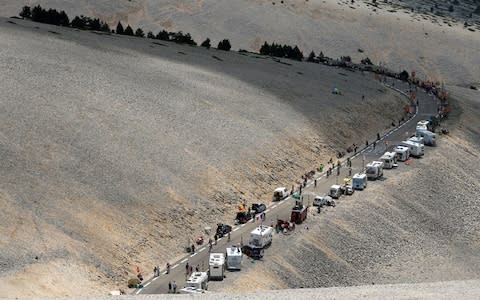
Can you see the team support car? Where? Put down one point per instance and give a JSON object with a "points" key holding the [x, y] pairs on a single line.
{"points": [[223, 229], [258, 208]]}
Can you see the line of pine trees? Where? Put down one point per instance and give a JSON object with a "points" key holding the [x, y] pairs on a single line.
{"points": [[52, 16], [284, 51]]}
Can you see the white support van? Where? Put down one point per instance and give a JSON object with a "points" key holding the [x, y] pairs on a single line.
{"points": [[416, 139], [196, 283], [216, 266], [335, 191], [424, 125], [261, 236], [416, 149], [403, 153], [389, 160], [374, 170], [234, 258], [429, 137], [280, 193], [359, 181]]}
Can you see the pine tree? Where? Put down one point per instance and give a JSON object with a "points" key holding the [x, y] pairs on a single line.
{"points": [[26, 12], [163, 35], [265, 49], [128, 31], [120, 28], [206, 43], [224, 45], [297, 54], [94, 24], [78, 22], [311, 57], [403, 75], [64, 19], [139, 32], [150, 35], [38, 14], [105, 27]]}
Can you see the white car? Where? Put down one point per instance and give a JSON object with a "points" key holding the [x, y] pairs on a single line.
{"points": [[348, 189], [322, 201]]}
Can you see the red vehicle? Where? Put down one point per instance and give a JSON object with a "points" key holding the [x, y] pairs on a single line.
{"points": [[299, 214]]}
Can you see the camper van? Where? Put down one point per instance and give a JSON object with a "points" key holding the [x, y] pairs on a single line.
{"points": [[234, 258], [428, 137], [216, 266], [416, 149], [389, 160], [403, 153], [424, 124], [416, 139], [196, 283], [261, 236], [374, 170], [335, 191], [280, 193], [359, 181]]}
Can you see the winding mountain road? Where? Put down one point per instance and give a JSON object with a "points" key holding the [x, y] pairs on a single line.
{"points": [[427, 106]]}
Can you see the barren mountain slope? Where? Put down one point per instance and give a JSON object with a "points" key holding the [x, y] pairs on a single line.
{"points": [[115, 150], [418, 225], [428, 44]]}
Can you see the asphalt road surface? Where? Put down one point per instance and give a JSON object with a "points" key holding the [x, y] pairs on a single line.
{"points": [[281, 210]]}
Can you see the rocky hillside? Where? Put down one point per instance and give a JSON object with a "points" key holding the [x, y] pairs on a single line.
{"points": [[116, 150]]}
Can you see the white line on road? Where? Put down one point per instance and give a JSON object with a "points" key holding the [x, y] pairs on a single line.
{"points": [[184, 260], [191, 255], [154, 278], [219, 239], [174, 266], [201, 249], [243, 225], [274, 206], [138, 292], [164, 272], [267, 210], [236, 229], [147, 284]]}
